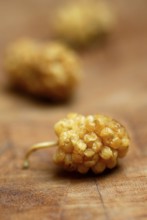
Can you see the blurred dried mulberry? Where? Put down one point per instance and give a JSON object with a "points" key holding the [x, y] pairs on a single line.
{"points": [[82, 22], [48, 70]]}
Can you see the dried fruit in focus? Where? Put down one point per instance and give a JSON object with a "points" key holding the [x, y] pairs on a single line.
{"points": [[89, 142]]}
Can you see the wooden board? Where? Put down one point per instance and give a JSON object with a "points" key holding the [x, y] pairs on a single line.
{"points": [[115, 84]]}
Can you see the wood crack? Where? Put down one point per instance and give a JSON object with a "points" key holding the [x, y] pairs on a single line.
{"points": [[8, 143], [5, 147], [102, 201]]}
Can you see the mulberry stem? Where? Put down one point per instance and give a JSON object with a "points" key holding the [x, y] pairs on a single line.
{"points": [[36, 147]]}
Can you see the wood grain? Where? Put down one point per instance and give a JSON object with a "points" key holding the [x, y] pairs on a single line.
{"points": [[115, 84]]}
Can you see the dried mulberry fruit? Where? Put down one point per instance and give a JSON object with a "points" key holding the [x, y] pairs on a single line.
{"points": [[87, 142], [48, 70], [81, 23]]}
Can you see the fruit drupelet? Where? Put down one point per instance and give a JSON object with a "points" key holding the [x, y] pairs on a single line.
{"points": [[93, 142], [49, 70]]}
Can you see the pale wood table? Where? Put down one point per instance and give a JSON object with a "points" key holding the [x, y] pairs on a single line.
{"points": [[115, 84]]}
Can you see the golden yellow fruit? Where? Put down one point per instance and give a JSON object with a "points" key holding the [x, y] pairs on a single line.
{"points": [[82, 22], [102, 142], [49, 70]]}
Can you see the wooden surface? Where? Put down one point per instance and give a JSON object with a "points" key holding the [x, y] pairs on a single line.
{"points": [[115, 84]]}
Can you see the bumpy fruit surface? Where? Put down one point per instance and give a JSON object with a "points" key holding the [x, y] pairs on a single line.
{"points": [[82, 22], [48, 70], [90, 142]]}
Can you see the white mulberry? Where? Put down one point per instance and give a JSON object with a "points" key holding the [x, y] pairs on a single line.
{"points": [[48, 70], [82, 22], [88, 142]]}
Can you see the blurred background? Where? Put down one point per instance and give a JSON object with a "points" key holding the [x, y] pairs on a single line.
{"points": [[114, 74], [114, 83]]}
